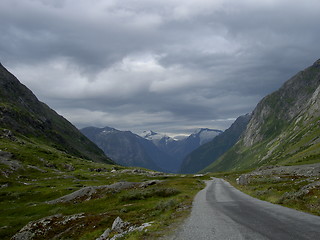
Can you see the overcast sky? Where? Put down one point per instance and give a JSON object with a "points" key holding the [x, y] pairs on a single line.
{"points": [[168, 65]]}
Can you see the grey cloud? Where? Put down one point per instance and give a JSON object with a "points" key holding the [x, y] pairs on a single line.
{"points": [[167, 65]]}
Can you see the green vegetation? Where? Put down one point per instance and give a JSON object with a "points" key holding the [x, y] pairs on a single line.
{"points": [[296, 145], [36, 173], [284, 129]]}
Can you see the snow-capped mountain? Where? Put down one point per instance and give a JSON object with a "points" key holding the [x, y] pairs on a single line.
{"points": [[129, 149], [158, 139], [205, 135], [150, 150], [179, 148]]}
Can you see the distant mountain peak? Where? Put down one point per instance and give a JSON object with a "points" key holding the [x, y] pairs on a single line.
{"points": [[205, 134], [206, 130], [148, 133], [108, 130], [151, 135]]}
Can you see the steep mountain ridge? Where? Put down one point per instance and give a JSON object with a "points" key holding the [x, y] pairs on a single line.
{"points": [[22, 113], [284, 129], [209, 152], [151, 150], [128, 149], [178, 149], [195, 140]]}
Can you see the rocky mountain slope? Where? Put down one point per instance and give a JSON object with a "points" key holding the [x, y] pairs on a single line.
{"points": [[22, 113], [150, 150], [284, 129], [195, 140], [209, 152], [178, 149], [129, 149]]}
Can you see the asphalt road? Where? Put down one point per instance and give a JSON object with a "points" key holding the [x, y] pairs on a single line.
{"points": [[222, 212]]}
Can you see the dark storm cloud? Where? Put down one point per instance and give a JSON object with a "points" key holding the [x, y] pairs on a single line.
{"points": [[168, 65]]}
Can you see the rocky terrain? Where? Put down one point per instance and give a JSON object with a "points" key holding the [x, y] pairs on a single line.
{"points": [[311, 171], [284, 128], [211, 151]]}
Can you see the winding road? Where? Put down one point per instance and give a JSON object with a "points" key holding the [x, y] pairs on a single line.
{"points": [[222, 212]]}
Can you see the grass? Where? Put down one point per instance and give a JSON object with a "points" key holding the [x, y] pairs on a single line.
{"points": [[298, 144], [45, 173]]}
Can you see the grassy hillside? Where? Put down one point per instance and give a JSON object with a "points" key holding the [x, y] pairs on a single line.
{"points": [[284, 129], [33, 173], [21, 112], [44, 158]]}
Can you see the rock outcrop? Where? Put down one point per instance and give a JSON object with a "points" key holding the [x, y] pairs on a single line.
{"points": [[309, 170], [90, 192], [43, 228], [120, 228]]}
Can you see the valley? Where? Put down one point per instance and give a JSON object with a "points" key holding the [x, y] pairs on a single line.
{"points": [[34, 177], [159, 120], [150, 149], [57, 184]]}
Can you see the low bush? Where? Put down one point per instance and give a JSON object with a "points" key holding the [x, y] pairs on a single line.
{"points": [[139, 194]]}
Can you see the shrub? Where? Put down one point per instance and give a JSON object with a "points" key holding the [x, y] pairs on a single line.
{"points": [[143, 194]]}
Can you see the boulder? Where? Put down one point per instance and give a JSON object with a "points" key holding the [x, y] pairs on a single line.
{"points": [[104, 235], [119, 225]]}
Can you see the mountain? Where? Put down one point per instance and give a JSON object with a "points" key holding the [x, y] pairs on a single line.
{"points": [[209, 152], [23, 114], [195, 140], [128, 149], [178, 149], [162, 141], [284, 128]]}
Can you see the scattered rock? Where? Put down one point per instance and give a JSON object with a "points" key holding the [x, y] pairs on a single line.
{"points": [[41, 228], [36, 168], [47, 164], [244, 179], [6, 133], [120, 228], [104, 235], [90, 192], [119, 225], [302, 191], [4, 185], [69, 167], [309, 170], [6, 159], [198, 175], [149, 183]]}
